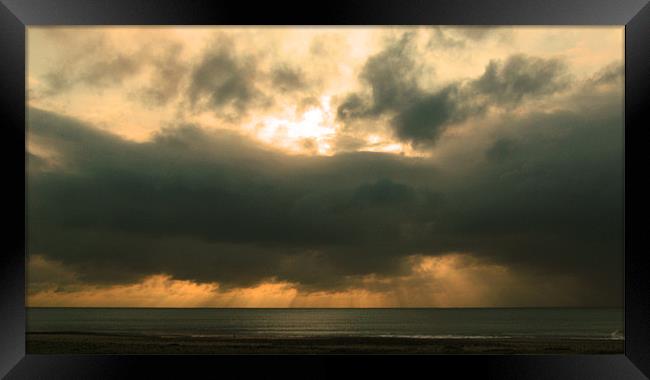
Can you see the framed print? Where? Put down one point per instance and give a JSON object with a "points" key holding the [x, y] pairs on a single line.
{"points": [[302, 189]]}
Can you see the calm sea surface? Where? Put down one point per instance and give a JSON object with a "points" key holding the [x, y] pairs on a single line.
{"points": [[442, 323]]}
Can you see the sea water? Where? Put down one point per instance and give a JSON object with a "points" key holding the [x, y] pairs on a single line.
{"points": [[477, 323]]}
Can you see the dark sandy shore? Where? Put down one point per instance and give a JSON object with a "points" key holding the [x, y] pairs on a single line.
{"points": [[76, 343]]}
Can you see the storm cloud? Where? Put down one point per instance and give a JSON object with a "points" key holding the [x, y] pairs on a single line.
{"points": [[419, 116], [392, 79], [212, 206], [223, 79], [354, 163], [519, 76]]}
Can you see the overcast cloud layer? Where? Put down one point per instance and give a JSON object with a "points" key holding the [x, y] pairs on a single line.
{"points": [[269, 168]]}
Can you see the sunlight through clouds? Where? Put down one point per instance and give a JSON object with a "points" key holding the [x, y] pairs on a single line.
{"points": [[324, 166]]}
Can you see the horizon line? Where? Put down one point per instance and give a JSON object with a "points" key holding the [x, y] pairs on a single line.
{"points": [[325, 308]]}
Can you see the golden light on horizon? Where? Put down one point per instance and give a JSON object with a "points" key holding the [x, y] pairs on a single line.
{"points": [[452, 280]]}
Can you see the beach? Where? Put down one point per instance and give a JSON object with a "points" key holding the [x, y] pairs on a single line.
{"points": [[84, 343]]}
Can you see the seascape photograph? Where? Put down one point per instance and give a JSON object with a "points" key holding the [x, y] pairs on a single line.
{"points": [[325, 190]]}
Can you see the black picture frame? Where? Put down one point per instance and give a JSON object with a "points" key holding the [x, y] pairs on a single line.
{"points": [[16, 15]]}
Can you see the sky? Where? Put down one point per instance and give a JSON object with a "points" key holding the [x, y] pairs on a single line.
{"points": [[325, 167]]}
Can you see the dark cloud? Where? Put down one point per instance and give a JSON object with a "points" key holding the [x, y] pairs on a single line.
{"points": [[520, 76], [441, 38], [109, 71], [287, 78], [43, 274], [419, 116], [37, 163], [353, 106], [610, 74], [501, 150], [545, 198], [456, 38], [392, 75], [392, 78], [478, 33], [103, 70], [224, 79], [427, 116]]}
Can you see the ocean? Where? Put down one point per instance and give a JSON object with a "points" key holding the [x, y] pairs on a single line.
{"points": [[479, 323]]}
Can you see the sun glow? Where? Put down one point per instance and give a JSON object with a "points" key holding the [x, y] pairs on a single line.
{"points": [[310, 132]]}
